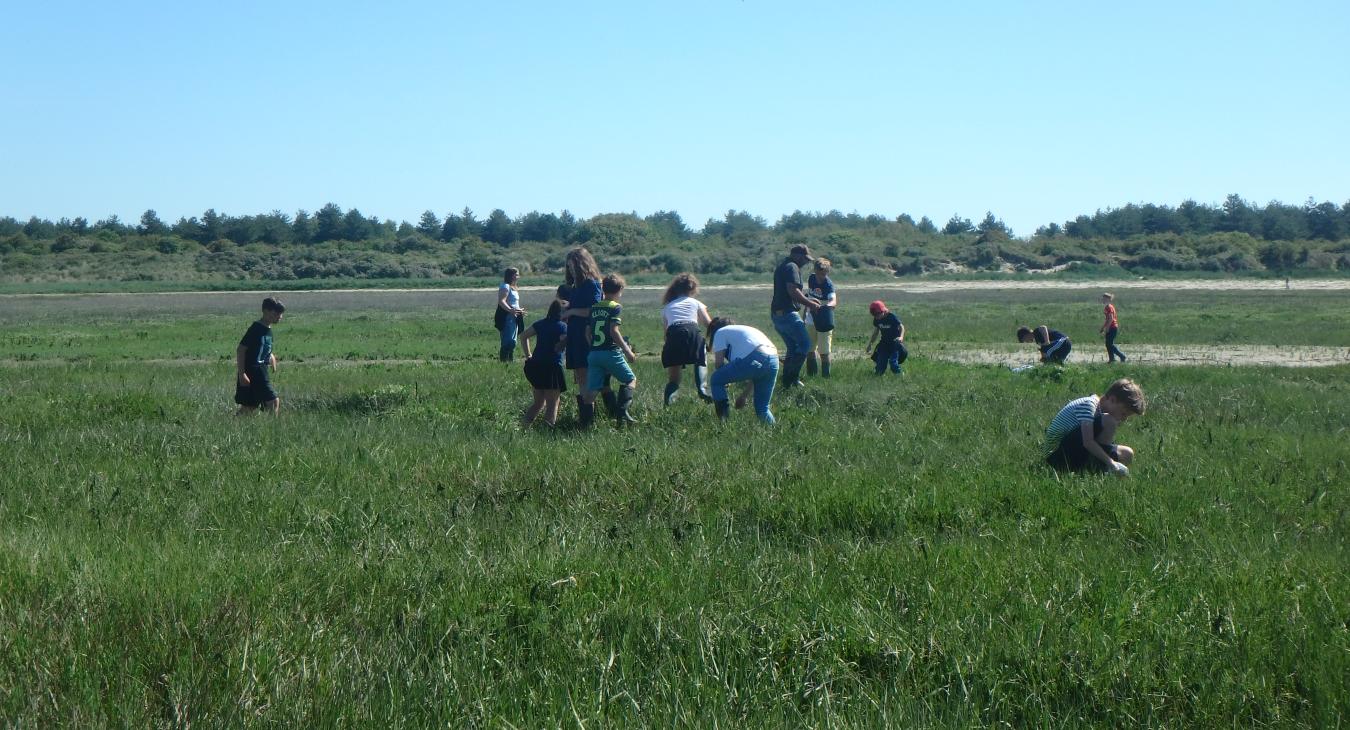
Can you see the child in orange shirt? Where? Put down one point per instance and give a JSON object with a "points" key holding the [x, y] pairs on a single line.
{"points": [[1109, 328]]}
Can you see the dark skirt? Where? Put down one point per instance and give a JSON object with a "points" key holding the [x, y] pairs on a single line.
{"points": [[684, 346], [578, 343], [545, 374]]}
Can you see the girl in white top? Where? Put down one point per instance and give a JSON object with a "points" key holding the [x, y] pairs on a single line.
{"points": [[684, 318], [509, 317], [742, 354]]}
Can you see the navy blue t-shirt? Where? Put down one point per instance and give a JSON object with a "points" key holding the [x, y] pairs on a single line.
{"points": [[257, 344], [1055, 336], [547, 334], [889, 326], [786, 277], [821, 289], [582, 296]]}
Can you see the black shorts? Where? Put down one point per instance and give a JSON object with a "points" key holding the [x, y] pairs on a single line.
{"points": [[257, 392], [545, 374], [684, 346], [1072, 455]]}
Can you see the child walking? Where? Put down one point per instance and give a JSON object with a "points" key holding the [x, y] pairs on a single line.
{"points": [[610, 355], [1110, 327], [543, 369], [889, 334], [253, 359], [1080, 437]]}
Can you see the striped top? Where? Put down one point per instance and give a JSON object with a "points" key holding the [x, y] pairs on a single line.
{"points": [[1068, 420]]}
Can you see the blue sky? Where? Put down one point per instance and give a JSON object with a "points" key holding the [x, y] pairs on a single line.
{"points": [[1036, 111]]}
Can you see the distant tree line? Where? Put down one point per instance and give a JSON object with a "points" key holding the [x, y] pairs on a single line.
{"points": [[332, 243]]}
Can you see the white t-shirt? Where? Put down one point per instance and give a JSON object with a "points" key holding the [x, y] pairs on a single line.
{"points": [[681, 310], [738, 340], [512, 297]]}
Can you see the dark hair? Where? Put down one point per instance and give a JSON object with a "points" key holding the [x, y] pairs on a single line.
{"points": [[683, 285], [613, 284], [555, 309], [510, 273], [580, 266], [1023, 333], [717, 324], [273, 305]]}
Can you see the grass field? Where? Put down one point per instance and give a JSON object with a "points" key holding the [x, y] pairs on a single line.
{"points": [[394, 551]]}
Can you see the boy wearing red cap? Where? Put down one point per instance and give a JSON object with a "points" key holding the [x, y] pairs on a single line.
{"points": [[889, 334]]}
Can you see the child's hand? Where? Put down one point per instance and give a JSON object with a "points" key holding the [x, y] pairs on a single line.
{"points": [[243, 379], [1120, 469], [630, 356]]}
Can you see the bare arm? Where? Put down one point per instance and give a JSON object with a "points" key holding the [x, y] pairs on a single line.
{"points": [[240, 354], [902, 332], [525, 341], [870, 340], [795, 293], [703, 318], [1091, 444], [272, 362], [577, 312], [616, 336], [501, 301], [719, 359]]}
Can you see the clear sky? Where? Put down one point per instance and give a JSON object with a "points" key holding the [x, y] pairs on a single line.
{"points": [[1037, 111]]}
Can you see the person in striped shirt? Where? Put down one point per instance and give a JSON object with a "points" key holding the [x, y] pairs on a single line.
{"points": [[1080, 435]]}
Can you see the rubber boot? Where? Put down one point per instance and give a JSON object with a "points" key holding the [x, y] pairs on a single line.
{"points": [[723, 409], [671, 389], [611, 403], [585, 413], [701, 383], [624, 402], [824, 366], [810, 364], [503, 354]]}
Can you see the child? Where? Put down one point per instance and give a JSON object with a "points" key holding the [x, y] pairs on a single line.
{"points": [[610, 355], [1079, 437], [684, 317], [1054, 345], [820, 323], [581, 290], [742, 354], [509, 318], [544, 369], [253, 358], [889, 334], [1109, 328]]}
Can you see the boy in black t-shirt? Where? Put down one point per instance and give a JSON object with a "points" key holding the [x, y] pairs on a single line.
{"points": [[889, 334], [253, 359]]}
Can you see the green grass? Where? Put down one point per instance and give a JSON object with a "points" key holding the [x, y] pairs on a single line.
{"points": [[393, 551]]}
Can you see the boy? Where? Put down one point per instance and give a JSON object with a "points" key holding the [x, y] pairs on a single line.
{"points": [[1053, 344], [820, 324], [253, 358], [1079, 437], [891, 345], [1109, 328], [610, 354]]}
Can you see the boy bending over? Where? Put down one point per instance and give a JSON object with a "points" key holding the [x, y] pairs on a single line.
{"points": [[1080, 436]]}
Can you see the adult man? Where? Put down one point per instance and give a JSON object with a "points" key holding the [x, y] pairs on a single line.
{"points": [[787, 298]]}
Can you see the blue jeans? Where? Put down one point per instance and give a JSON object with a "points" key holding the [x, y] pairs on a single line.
{"points": [[884, 358], [510, 331], [798, 340], [759, 368]]}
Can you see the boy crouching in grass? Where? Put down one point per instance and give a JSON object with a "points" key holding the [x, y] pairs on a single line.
{"points": [[1080, 436], [610, 354], [253, 359]]}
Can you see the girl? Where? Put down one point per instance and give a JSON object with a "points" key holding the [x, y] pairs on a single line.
{"points": [[820, 324], [742, 354], [509, 319], [544, 369], [1109, 328], [581, 291], [684, 318]]}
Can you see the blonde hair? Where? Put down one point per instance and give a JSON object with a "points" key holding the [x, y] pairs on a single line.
{"points": [[823, 265], [1108, 296], [1129, 393]]}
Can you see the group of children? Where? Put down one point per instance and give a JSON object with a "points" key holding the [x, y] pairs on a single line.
{"points": [[1055, 346], [581, 331]]}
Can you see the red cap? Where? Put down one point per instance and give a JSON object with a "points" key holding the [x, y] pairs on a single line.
{"points": [[876, 307]]}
